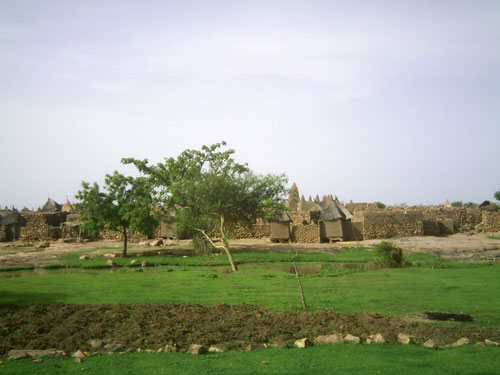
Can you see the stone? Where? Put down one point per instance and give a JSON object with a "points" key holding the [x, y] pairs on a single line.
{"points": [[481, 343], [95, 344], [78, 360], [460, 342], [170, 348], [42, 245], [488, 342], [336, 338], [197, 349], [156, 243], [37, 360], [134, 261], [350, 339], [84, 257], [111, 263], [150, 350], [109, 255], [430, 344], [17, 354], [377, 338], [112, 346], [264, 362], [404, 338], [216, 349], [144, 263], [303, 343], [78, 354], [251, 347]]}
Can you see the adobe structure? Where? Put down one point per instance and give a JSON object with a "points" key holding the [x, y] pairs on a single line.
{"points": [[306, 221]]}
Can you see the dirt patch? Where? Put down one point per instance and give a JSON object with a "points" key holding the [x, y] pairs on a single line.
{"points": [[70, 327]]}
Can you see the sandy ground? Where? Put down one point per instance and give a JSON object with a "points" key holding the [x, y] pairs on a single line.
{"points": [[460, 246]]}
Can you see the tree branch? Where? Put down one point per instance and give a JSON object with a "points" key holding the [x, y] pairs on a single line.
{"points": [[207, 237]]}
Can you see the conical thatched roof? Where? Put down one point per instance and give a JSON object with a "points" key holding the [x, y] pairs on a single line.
{"points": [[13, 218], [283, 218], [51, 206], [326, 201], [331, 213], [68, 207], [347, 214]]}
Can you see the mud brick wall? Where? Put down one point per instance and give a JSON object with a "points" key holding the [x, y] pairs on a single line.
{"points": [[42, 226], [387, 224], [305, 233], [354, 207], [300, 217], [491, 221], [469, 217], [260, 230]]}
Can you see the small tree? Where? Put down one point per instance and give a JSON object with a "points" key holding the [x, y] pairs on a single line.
{"points": [[497, 195], [124, 205], [212, 194], [391, 255]]}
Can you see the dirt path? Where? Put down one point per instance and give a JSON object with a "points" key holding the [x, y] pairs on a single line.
{"points": [[460, 246]]}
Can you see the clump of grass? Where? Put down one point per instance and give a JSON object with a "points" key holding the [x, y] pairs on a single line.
{"points": [[494, 237], [327, 271], [17, 268], [53, 266], [391, 255]]}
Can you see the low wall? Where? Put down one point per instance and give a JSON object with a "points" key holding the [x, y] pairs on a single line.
{"points": [[262, 230], [491, 221], [305, 233], [42, 226], [387, 224]]}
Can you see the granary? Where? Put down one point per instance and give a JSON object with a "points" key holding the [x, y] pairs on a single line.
{"points": [[11, 225], [334, 221], [68, 207], [280, 227], [51, 206]]}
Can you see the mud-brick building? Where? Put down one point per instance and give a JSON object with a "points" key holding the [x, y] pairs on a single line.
{"points": [[11, 226]]}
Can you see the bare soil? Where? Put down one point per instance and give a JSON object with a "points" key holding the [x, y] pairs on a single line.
{"points": [[70, 327]]}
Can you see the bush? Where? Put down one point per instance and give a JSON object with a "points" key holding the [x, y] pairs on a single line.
{"points": [[457, 204], [380, 205], [391, 255]]}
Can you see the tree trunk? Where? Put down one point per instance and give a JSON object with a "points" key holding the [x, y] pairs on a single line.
{"points": [[125, 240], [234, 267]]}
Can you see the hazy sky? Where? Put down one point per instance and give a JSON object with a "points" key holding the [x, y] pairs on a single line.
{"points": [[392, 101]]}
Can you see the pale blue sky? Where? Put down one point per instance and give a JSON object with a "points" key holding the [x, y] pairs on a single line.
{"points": [[392, 101]]}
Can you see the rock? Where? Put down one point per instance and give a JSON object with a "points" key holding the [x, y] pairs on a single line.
{"points": [[144, 263], [144, 243], [78, 360], [251, 347], [112, 346], [303, 343], [404, 338], [78, 354], [150, 350], [375, 339], [87, 354], [95, 344], [481, 343], [17, 354], [42, 245], [430, 344], [216, 349], [350, 339], [37, 360], [109, 255], [159, 350], [156, 243], [461, 341], [84, 257], [197, 349], [264, 362], [111, 263], [170, 348], [134, 261], [336, 338], [488, 342]]}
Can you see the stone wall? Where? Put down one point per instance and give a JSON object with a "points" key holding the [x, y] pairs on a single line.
{"points": [[491, 221], [387, 224], [261, 230], [42, 226], [305, 233]]}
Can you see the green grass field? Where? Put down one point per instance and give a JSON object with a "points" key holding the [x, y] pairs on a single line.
{"points": [[432, 285]]}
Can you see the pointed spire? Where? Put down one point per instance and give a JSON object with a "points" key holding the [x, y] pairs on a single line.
{"points": [[293, 197]]}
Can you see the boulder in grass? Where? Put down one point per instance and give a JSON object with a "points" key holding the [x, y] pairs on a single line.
{"points": [[78, 354], [197, 349], [430, 344], [111, 263], [404, 338], [489, 342], [460, 342], [350, 339], [336, 338], [170, 348], [216, 349], [377, 338], [303, 343]]}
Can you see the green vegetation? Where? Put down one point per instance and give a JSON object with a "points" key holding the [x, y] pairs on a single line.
{"points": [[494, 237], [325, 359], [390, 254], [124, 205], [17, 268], [475, 291], [380, 205], [457, 204], [210, 194], [497, 195]]}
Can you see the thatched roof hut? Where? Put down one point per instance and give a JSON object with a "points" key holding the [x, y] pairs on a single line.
{"points": [[13, 218], [51, 206]]}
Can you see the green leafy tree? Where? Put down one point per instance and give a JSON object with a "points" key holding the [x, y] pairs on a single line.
{"points": [[211, 194], [497, 195], [123, 205]]}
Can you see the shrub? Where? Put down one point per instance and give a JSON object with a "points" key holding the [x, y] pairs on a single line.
{"points": [[380, 205], [391, 255], [457, 204]]}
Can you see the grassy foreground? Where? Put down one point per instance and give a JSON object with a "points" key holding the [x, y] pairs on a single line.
{"points": [[326, 359], [475, 291]]}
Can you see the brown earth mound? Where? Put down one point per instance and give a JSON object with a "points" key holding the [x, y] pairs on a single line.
{"points": [[151, 326]]}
